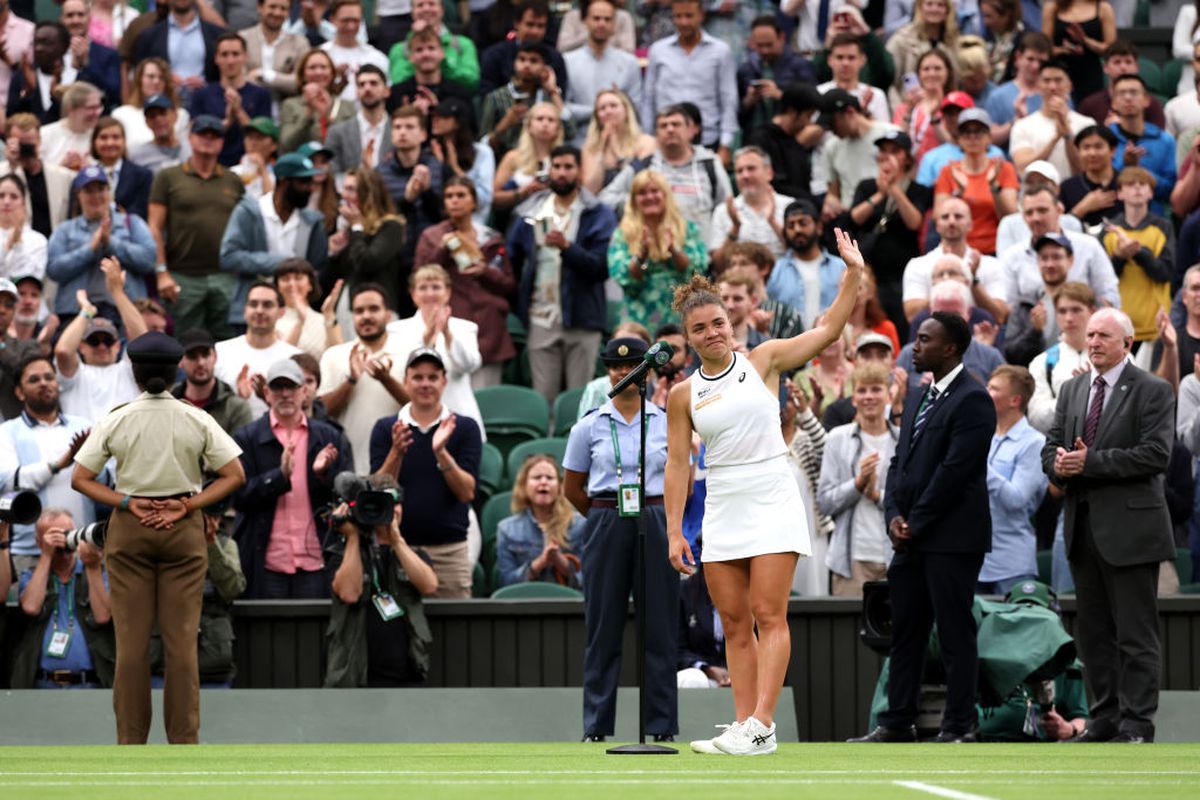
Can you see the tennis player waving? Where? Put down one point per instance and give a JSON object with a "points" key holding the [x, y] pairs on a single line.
{"points": [[754, 520]]}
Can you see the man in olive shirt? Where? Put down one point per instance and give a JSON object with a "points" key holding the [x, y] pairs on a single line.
{"points": [[189, 209]]}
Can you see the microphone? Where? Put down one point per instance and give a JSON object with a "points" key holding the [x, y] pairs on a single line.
{"points": [[656, 356]]}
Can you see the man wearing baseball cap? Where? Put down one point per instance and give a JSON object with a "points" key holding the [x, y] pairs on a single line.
{"points": [[1032, 324], [102, 380], [290, 462], [12, 351], [80, 244], [263, 232], [878, 348], [165, 147], [1013, 228], [850, 158], [189, 207], [434, 455]]}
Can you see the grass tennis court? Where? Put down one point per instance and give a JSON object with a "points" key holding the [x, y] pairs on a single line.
{"points": [[579, 771]]}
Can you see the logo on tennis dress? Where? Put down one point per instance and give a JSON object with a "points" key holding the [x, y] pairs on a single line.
{"points": [[700, 394], [741, 377]]}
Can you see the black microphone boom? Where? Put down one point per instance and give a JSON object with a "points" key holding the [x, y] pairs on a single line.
{"points": [[658, 355]]}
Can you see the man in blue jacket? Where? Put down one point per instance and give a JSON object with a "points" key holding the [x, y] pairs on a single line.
{"points": [[1142, 144], [561, 255], [263, 231]]}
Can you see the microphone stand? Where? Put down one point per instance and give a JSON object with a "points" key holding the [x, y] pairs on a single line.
{"points": [[641, 748]]}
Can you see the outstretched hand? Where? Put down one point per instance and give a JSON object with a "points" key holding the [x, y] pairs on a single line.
{"points": [[848, 250]]}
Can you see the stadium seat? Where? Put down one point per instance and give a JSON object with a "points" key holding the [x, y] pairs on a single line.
{"points": [[1045, 563], [1152, 75], [1183, 564], [550, 445], [491, 473], [536, 589], [512, 414], [566, 410], [1171, 72], [496, 509], [480, 587]]}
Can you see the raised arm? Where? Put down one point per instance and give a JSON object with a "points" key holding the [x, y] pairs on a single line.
{"points": [[783, 355]]}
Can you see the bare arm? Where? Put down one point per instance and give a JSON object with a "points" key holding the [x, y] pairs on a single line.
{"points": [[97, 591], [782, 355], [66, 352], [420, 574], [679, 472], [34, 595], [131, 318], [348, 580], [6, 576], [575, 490]]}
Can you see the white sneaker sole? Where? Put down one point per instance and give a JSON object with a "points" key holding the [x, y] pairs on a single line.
{"points": [[765, 750], [707, 748]]}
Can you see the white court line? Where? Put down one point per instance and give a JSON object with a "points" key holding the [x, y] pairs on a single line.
{"points": [[615, 772], [615, 780], [940, 791]]}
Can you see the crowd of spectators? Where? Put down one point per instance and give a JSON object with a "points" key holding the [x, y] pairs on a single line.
{"points": [[354, 215]]}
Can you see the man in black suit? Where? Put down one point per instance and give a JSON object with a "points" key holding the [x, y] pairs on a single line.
{"points": [[936, 507], [183, 16], [97, 64], [1109, 448]]}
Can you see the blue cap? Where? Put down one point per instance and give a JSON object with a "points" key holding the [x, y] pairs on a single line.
{"points": [[154, 348], [206, 123], [89, 174], [157, 101], [1059, 239]]}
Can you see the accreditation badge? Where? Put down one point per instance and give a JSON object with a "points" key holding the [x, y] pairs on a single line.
{"points": [[629, 500], [387, 606], [59, 644]]}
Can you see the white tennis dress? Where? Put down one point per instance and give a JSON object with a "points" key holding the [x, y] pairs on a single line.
{"points": [[753, 505]]}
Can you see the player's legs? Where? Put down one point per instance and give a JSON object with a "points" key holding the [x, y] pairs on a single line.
{"points": [[729, 587], [770, 586]]}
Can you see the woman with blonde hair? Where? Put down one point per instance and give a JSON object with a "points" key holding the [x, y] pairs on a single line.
{"points": [[524, 170], [541, 541], [613, 139], [309, 115], [653, 251], [152, 76], [974, 69], [934, 26]]}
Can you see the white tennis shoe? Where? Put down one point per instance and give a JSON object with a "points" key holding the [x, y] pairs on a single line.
{"points": [[749, 738], [708, 747]]}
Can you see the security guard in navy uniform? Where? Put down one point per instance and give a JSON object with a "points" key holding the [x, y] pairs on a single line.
{"points": [[602, 470], [155, 547]]}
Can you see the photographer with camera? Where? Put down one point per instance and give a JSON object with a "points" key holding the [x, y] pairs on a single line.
{"points": [[36, 448], [290, 460], [70, 643], [388, 645]]}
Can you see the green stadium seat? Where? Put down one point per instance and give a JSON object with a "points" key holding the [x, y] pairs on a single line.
{"points": [[536, 590], [566, 410], [1183, 564], [1152, 74], [1171, 73], [1045, 562], [480, 587], [494, 510], [512, 414], [491, 472], [550, 445]]}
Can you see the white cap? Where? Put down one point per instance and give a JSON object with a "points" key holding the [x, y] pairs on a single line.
{"points": [[8, 286], [1045, 169]]}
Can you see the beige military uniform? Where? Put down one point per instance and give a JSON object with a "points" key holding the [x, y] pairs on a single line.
{"points": [[161, 446]]}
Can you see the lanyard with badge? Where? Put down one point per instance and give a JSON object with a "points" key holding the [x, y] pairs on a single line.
{"points": [[629, 495], [60, 641], [385, 604]]}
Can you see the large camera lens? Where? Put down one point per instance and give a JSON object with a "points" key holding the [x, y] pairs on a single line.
{"points": [[20, 508], [92, 534]]}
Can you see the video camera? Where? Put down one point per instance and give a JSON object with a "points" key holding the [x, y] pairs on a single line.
{"points": [[94, 534], [20, 508], [368, 506]]}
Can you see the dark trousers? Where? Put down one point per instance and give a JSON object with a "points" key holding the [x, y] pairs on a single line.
{"points": [[1116, 629], [928, 588], [610, 552], [301, 585]]}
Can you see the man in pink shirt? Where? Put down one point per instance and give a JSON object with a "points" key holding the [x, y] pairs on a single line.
{"points": [[290, 461], [15, 46]]}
